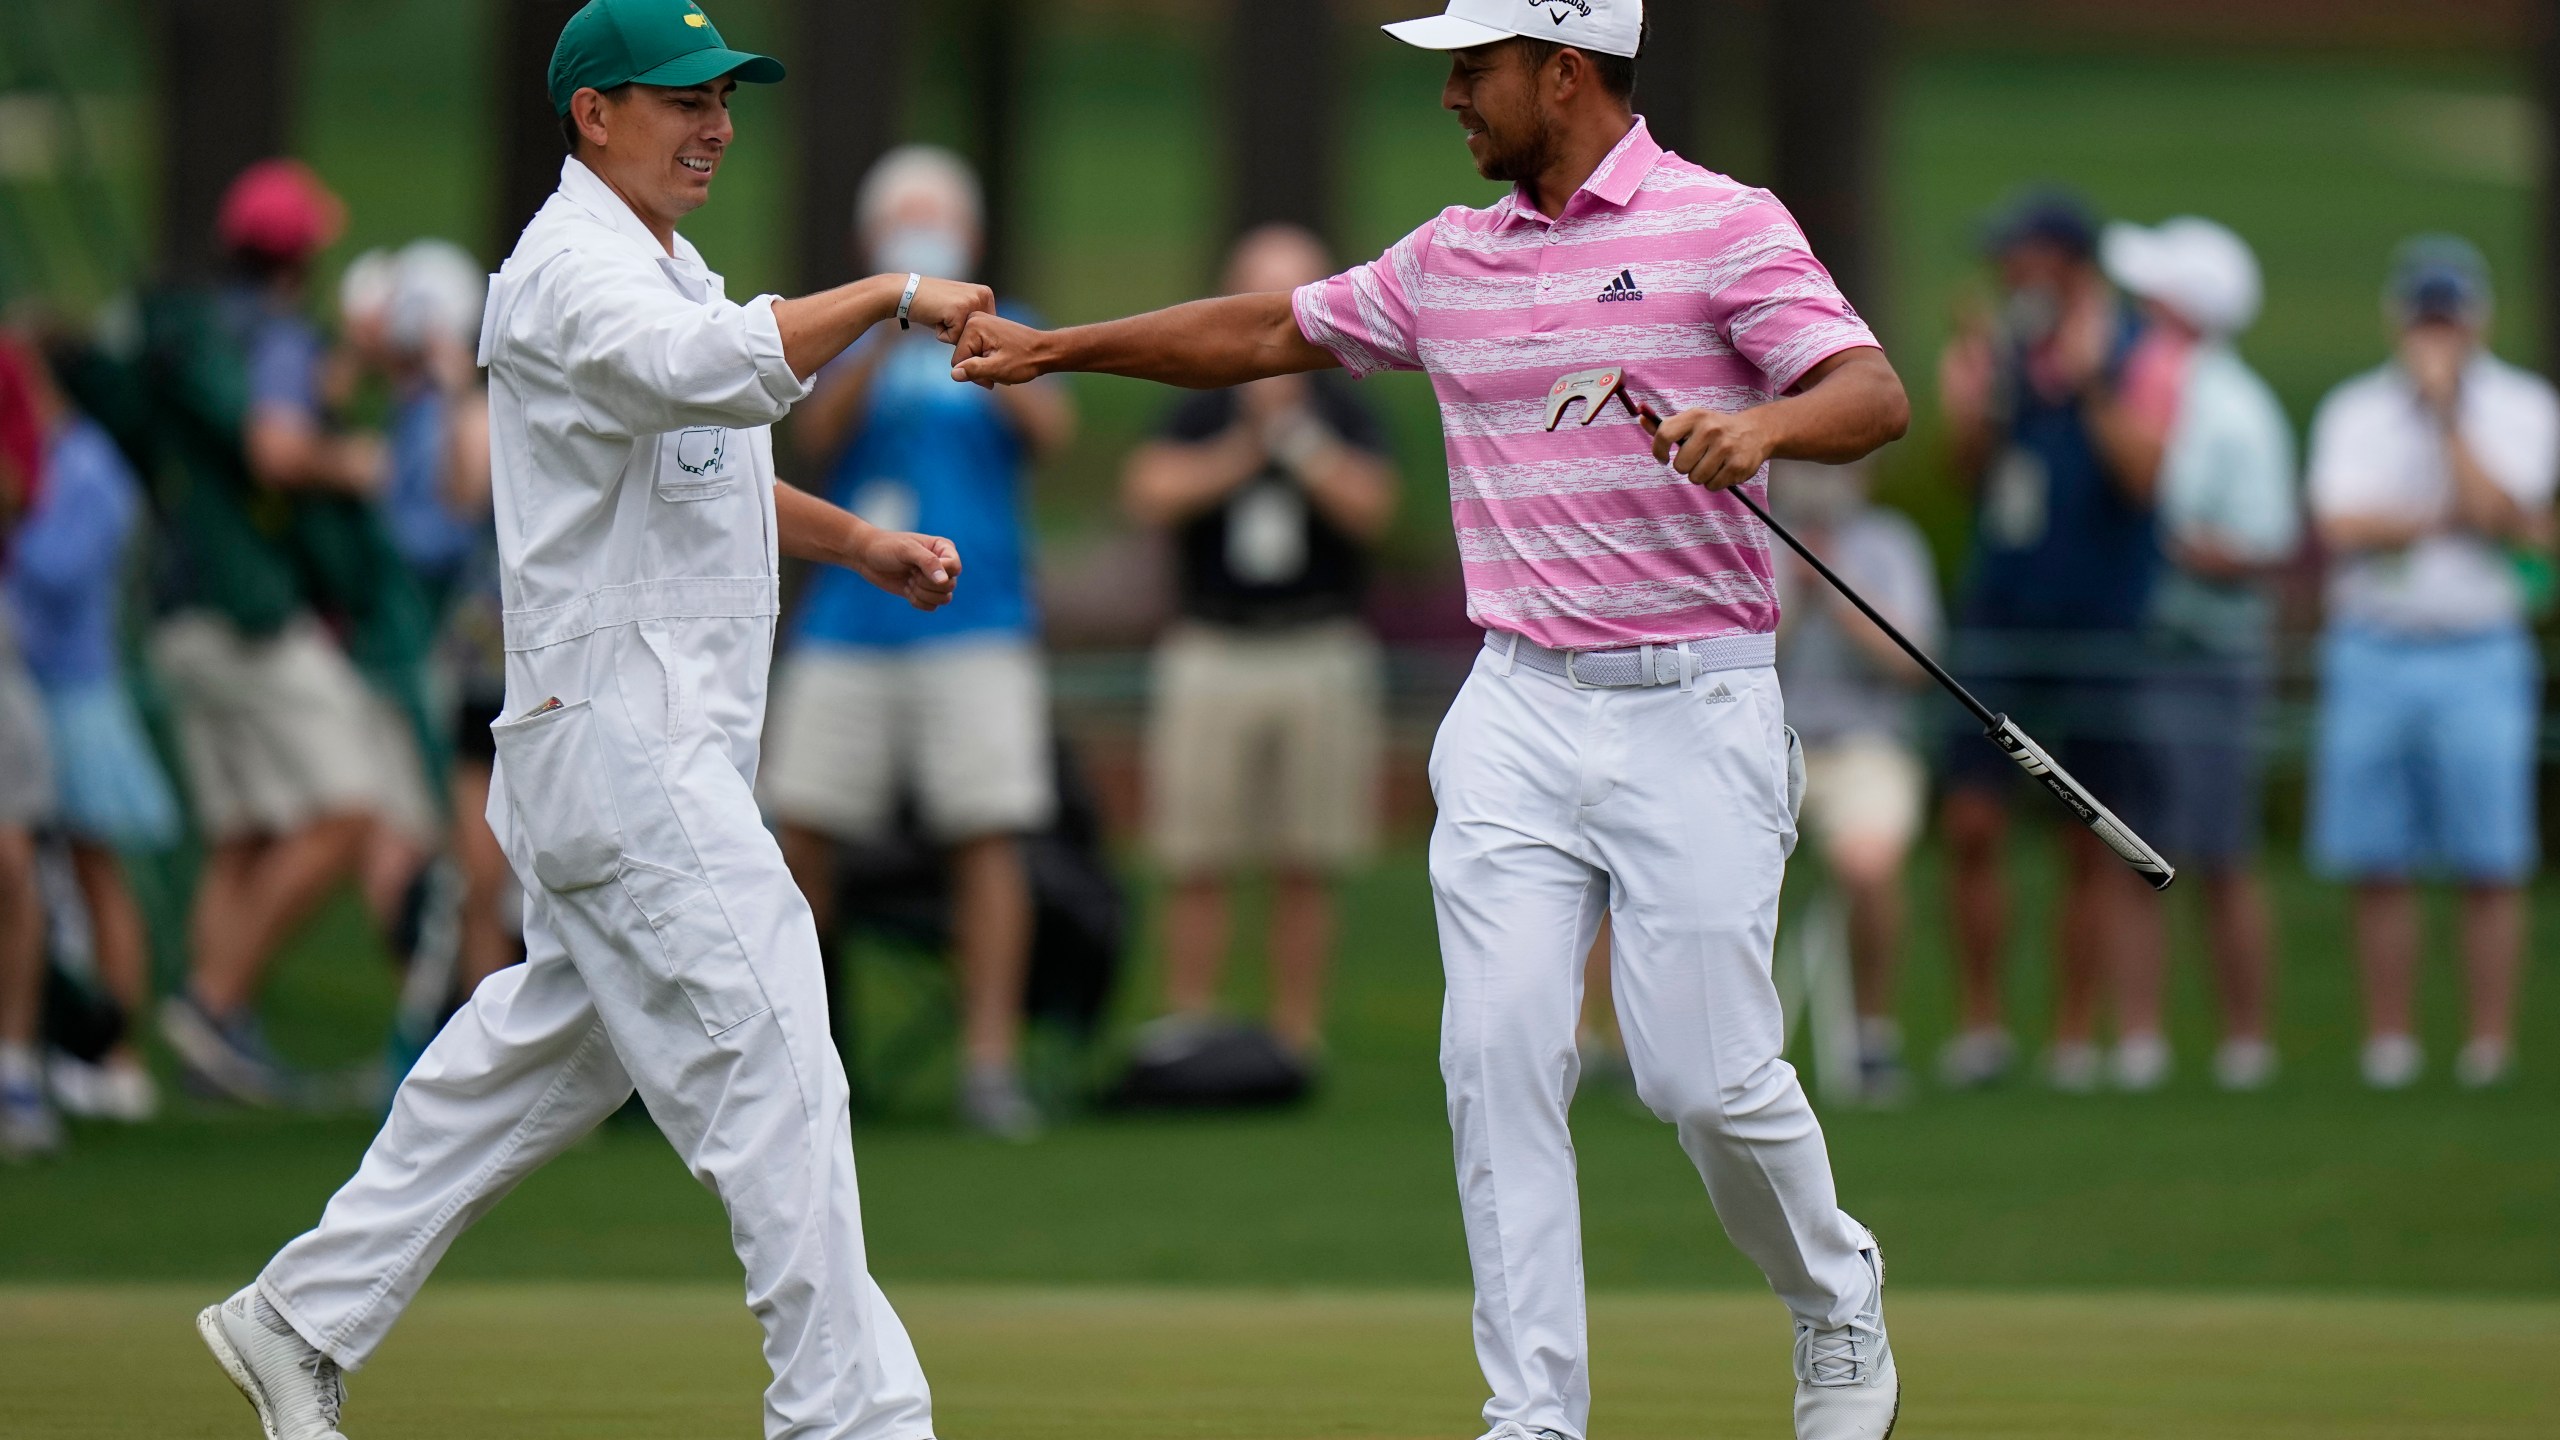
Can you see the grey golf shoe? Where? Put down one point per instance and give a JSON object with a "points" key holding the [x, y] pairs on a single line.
{"points": [[1846, 1386], [296, 1390]]}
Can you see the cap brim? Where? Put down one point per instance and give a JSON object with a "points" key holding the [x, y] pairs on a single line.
{"points": [[2139, 260], [1446, 32], [701, 67]]}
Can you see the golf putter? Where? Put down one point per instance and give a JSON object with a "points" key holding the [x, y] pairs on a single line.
{"points": [[1597, 387]]}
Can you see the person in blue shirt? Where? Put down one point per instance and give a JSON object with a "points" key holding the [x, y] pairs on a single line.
{"points": [[875, 700], [2058, 427], [65, 583]]}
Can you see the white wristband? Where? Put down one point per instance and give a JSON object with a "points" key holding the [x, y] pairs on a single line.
{"points": [[907, 301]]}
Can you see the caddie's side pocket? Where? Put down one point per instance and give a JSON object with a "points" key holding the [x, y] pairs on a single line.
{"points": [[561, 795]]}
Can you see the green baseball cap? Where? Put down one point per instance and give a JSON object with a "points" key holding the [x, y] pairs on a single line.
{"points": [[646, 42]]}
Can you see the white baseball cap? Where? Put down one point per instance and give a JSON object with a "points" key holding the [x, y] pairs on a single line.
{"points": [[2201, 271], [1604, 27]]}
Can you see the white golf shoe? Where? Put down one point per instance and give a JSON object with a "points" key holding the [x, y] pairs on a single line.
{"points": [[1846, 1387], [296, 1390]]}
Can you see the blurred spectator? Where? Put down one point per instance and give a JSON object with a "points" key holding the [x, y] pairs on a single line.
{"points": [[413, 318], [2058, 412], [1269, 720], [272, 718], [2228, 518], [27, 1123], [877, 701], [1848, 691], [2428, 478], [66, 577]]}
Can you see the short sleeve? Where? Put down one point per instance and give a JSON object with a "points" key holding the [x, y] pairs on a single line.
{"points": [[284, 368], [1367, 317], [2350, 468], [2532, 453], [1776, 305]]}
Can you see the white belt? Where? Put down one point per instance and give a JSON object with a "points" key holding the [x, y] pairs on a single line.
{"points": [[1637, 669]]}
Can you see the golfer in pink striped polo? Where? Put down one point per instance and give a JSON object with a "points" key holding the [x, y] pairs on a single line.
{"points": [[1620, 749]]}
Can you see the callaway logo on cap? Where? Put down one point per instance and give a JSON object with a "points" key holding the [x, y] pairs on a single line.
{"points": [[1603, 27]]}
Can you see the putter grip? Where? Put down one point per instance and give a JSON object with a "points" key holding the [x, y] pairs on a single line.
{"points": [[2021, 747]]}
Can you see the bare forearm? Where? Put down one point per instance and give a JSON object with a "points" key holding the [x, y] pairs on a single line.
{"points": [[817, 328], [1168, 484], [2130, 448], [826, 422], [2482, 505], [2357, 534], [808, 528], [1845, 409], [1353, 491], [1205, 345], [1043, 415]]}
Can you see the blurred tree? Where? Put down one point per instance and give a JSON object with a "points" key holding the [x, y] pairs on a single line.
{"points": [[2544, 24], [1282, 125], [529, 145], [997, 43], [227, 92], [848, 65], [1678, 58], [1827, 75]]}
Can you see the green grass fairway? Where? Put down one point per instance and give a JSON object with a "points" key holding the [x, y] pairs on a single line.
{"points": [[633, 1363]]}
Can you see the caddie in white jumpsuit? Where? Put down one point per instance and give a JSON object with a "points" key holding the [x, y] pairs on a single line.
{"points": [[667, 949]]}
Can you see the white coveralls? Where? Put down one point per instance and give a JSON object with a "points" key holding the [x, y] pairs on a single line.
{"points": [[666, 946], [1670, 809]]}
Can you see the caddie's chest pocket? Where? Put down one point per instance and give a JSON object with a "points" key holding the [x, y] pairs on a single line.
{"points": [[698, 464]]}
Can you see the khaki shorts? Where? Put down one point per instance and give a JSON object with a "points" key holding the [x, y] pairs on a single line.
{"points": [[963, 727], [274, 733], [1866, 786], [1266, 747]]}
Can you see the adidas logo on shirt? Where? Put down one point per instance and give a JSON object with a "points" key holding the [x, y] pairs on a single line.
{"points": [[1622, 289], [1721, 695]]}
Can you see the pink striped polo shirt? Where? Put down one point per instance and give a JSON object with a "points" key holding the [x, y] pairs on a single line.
{"points": [[1703, 288]]}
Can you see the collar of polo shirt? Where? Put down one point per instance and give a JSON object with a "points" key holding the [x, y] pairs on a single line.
{"points": [[1603, 27]]}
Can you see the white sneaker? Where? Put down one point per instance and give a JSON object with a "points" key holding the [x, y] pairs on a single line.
{"points": [[2483, 1063], [296, 1390], [1976, 1058], [993, 1102], [2393, 1062], [1846, 1386], [2141, 1063], [120, 1090], [2073, 1067], [2244, 1065]]}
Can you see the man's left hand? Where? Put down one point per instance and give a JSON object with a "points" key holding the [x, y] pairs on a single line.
{"points": [[944, 307], [1716, 449], [924, 570]]}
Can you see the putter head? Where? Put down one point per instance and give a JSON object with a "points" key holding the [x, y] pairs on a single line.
{"points": [[1595, 386]]}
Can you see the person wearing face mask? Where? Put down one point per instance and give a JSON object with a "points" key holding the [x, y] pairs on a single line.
{"points": [[2431, 478], [1849, 692], [2058, 412], [877, 699]]}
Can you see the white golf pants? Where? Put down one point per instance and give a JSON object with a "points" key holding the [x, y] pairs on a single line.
{"points": [[1667, 810], [667, 950]]}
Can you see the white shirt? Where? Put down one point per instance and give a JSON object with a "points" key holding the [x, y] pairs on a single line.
{"points": [[2376, 452], [631, 460], [2227, 478]]}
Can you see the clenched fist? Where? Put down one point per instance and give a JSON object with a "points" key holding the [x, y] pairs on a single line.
{"points": [[945, 307], [924, 570], [1717, 449], [995, 351]]}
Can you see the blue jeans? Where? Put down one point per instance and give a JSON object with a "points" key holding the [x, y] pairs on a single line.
{"points": [[2426, 756]]}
